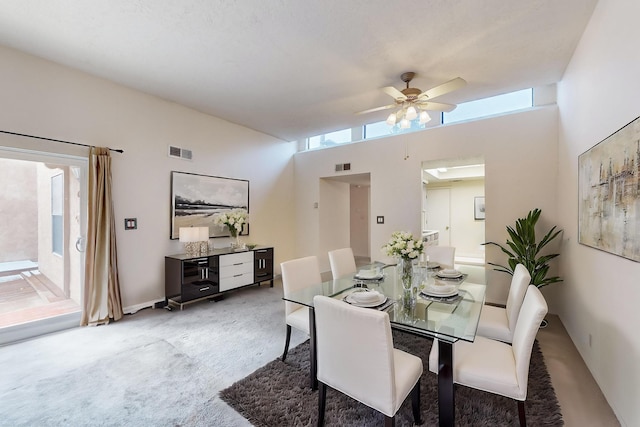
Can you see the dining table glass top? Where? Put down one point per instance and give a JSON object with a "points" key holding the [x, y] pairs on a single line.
{"points": [[447, 319]]}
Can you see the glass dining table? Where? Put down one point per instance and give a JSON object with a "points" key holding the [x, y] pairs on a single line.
{"points": [[445, 319]]}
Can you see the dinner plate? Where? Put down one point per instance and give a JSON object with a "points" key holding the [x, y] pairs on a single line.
{"points": [[443, 275], [440, 290], [438, 294], [381, 300], [364, 275]]}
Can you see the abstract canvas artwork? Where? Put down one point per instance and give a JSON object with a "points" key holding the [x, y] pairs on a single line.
{"points": [[197, 199], [609, 193]]}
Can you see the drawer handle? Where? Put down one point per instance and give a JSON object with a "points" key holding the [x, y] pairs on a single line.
{"points": [[237, 275], [238, 263], [204, 289]]}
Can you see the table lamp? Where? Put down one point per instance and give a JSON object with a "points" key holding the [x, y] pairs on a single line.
{"points": [[195, 239]]}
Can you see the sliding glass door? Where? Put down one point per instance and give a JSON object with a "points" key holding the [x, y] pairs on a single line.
{"points": [[42, 224]]}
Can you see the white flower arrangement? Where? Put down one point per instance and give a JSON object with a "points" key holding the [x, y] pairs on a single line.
{"points": [[403, 245], [233, 220]]}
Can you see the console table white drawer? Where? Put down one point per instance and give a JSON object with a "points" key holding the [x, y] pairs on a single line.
{"points": [[236, 270]]}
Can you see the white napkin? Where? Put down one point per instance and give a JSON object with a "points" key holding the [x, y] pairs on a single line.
{"points": [[449, 272], [441, 289], [368, 274], [366, 297]]}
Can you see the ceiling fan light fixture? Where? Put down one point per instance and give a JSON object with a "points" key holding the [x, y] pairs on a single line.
{"points": [[391, 120], [424, 117], [405, 123], [411, 113]]}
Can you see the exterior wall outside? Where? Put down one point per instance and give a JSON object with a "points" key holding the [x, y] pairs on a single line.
{"points": [[18, 208], [598, 301], [520, 152], [45, 99], [49, 263]]}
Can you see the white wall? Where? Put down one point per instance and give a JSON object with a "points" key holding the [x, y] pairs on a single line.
{"points": [[44, 99], [334, 209], [360, 225], [520, 152], [599, 298]]}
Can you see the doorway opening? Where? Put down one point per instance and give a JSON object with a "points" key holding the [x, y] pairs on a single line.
{"points": [[453, 210], [344, 215], [43, 203]]}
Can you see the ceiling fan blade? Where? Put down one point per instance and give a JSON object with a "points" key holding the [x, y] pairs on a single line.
{"points": [[436, 106], [385, 107], [394, 93], [440, 90]]}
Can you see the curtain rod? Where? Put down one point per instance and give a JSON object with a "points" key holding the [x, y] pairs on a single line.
{"points": [[117, 150]]}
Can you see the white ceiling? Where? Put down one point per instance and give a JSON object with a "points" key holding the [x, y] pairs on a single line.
{"points": [[297, 68]]}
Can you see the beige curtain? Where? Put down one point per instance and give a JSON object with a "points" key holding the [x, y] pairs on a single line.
{"points": [[102, 301]]}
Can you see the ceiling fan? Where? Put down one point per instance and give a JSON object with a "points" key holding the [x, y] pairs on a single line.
{"points": [[412, 101]]}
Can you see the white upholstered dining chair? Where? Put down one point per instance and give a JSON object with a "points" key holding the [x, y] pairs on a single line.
{"points": [[298, 274], [356, 357], [342, 262], [443, 255], [499, 323], [497, 367]]}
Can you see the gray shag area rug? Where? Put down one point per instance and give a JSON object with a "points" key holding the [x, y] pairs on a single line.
{"points": [[278, 394]]}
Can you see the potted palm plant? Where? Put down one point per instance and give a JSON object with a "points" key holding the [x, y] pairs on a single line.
{"points": [[522, 248]]}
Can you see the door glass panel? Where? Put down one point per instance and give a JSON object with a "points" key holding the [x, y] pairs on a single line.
{"points": [[42, 211]]}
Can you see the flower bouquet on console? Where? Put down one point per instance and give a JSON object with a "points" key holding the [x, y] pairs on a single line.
{"points": [[234, 221]]}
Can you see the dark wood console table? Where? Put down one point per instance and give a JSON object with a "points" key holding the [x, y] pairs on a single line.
{"points": [[191, 278]]}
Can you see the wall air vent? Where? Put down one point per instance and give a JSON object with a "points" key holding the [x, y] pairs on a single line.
{"points": [[180, 153], [343, 167]]}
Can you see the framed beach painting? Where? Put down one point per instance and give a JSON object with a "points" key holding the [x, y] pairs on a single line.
{"points": [[197, 199], [609, 193]]}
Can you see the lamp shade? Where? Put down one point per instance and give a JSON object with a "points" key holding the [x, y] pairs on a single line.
{"points": [[405, 123], [189, 234], [391, 120], [203, 233], [411, 113], [424, 117]]}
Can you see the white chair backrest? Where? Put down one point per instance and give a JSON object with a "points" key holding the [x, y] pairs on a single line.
{"points": [[443, 255], [342, 262], [355, 352], [533, 310], [519, 284], [298, 274]]}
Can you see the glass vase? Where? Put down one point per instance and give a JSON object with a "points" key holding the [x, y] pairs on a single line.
{"points": [[405, 272], [237, 244]]}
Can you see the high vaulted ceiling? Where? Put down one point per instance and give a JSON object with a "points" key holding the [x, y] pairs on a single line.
{"points": [[297, 68]]}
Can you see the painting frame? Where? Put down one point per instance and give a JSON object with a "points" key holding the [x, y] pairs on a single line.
{"points": [[478, 208], [197, 198], [609, 193]]}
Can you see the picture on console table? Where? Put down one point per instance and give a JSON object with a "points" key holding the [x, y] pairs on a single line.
{"points": [[196, 200]]}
